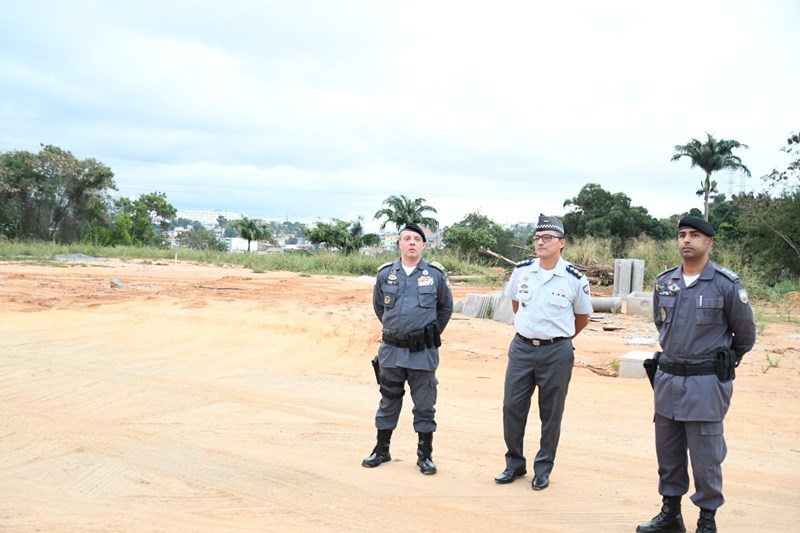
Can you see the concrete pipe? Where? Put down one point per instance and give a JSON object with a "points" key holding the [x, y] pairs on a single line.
{"points": [[605, 304]]}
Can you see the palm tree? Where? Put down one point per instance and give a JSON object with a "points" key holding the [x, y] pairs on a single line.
{"points": [[355, 238], [711, 156], [252, 230], [402, 211]]}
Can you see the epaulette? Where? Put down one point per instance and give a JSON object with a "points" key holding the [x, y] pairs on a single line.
{"points": [[667, 271], [575, 271], [384, 265], [437, 265], [730, 274], [526, 262]]}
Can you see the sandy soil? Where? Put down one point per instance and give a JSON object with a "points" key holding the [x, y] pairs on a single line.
{"points": [[174, 397]]}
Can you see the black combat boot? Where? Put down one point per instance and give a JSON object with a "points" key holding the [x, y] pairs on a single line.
{"points": [[424, 451], [669, 520], [380, 454], [706, 522]]}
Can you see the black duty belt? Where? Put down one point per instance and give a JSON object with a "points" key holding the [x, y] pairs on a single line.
{"points": [[541, 342], [677, 369], [394, 341]]}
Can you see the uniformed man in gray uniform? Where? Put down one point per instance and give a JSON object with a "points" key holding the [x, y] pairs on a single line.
{"points": [[412, 299], [705, 326], [552, 304]]}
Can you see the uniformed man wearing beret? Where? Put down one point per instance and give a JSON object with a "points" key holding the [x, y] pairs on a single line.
{"points": [[705, 326], [412, 299], [552, 304]]}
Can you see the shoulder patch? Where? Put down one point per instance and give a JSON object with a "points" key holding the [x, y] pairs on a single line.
{"points": [[438, 266], [384, 265], [526, 262], [730, 274], [575, 271]]}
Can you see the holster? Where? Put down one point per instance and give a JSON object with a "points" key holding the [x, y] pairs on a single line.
{"points": [[650, 367], [433, 337], [376, 366], [726, 364], [416, 340]]}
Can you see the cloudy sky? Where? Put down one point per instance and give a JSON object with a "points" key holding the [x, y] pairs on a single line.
{"points": [[320, 109]]}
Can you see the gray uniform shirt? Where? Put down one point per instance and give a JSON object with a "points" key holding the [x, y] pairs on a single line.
{"points": [[694, 323], [405, 303]]}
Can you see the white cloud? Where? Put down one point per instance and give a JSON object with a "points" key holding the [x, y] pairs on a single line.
{"points": [[321, 110]]}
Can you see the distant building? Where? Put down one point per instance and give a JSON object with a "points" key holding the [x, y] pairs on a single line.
{"points": [[389, 239], [208, 218]]}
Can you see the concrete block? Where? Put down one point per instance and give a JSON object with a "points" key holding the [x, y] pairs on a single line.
{"points": [[472, 305], [637, 275], [503, 311], [480, 305], [623, 269], [489, 305], [639, 303], [631, 364]]}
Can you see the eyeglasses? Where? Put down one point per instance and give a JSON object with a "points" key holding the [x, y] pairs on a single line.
{"points": [[544, 238]]}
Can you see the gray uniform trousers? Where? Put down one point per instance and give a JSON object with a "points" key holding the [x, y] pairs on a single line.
{"points": [[706, 445], [423, 393], [548, 367]]}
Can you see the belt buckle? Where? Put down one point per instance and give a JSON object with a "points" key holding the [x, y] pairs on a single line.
{"points": [[536, 342]]}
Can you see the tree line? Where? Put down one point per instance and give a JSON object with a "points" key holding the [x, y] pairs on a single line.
{"points": [[54, 196]]}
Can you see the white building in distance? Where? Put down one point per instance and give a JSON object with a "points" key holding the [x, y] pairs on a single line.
{"points": [[208, 218]]}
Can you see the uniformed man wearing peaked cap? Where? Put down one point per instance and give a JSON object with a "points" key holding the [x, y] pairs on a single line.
{"points": [[705, 326], [551, 302]]}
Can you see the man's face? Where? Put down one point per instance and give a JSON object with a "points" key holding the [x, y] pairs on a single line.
{"points": [[548, 244], [411, 245], [693, 244]]}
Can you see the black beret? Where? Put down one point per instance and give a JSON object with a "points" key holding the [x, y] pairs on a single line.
{"points": [[416, 229], [549, 223], [697, 223]]}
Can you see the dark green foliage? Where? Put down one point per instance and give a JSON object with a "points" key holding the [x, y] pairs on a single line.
{"points": [[478, 231], [348, 237], [599, 213], [51, 195], [401, 211]]}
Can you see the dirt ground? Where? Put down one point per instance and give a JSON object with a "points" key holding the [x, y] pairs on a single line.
{"points": [[176, 397]]}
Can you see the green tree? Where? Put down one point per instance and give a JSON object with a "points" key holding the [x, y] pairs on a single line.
{"points": [[401, 211], [778, 177], [135, 221], [349, 237], [599, 213], [18, 194], [52, 195], [711, 156], [772, 221], [252, 230], [476, 231], [201, 239]]}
